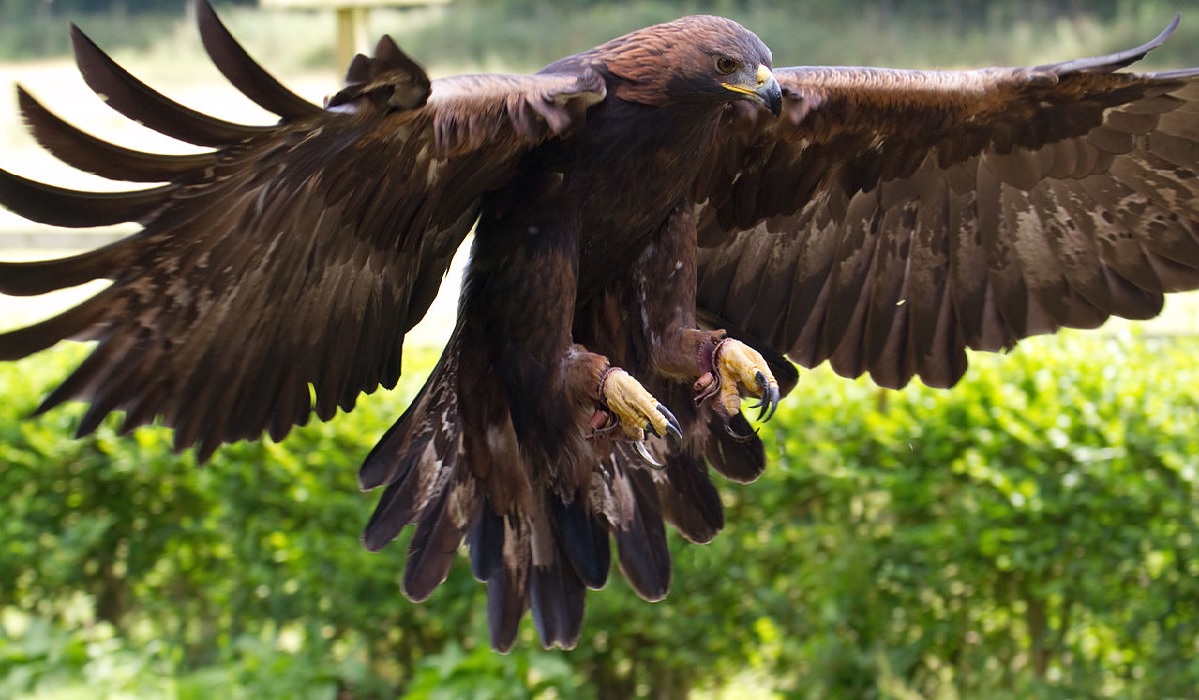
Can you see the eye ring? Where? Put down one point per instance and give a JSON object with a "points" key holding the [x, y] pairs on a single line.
{"points": [[726, 65]]}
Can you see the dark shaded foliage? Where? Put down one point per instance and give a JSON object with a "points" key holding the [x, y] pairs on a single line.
{"points": [[1030, 533]]}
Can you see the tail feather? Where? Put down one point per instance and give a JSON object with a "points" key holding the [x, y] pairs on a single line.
{"points": [[556, 592], [439, 534], [452, 465], [631, 505], [506, 575], [418, 460], [583, 539], [736, 452], [689, 500]]}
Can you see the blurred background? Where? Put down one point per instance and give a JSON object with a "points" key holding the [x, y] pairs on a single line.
{"points": [[1030, 534]]}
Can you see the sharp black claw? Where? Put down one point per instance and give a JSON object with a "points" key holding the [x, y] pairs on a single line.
{"points": [[772, 401], [639, 448], [739, 437], [673, 429], [769, 402], [763, 403]]}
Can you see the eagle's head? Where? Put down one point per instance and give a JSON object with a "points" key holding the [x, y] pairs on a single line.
{"points": [[700, 58]]}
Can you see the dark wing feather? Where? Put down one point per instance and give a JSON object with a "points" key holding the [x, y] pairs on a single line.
{"points": [[56, 206], [891, 219], [141, 103], [88, 153], [244, 73], [291, 256]]}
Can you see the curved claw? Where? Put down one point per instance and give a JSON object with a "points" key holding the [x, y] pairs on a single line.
{"points": [[646, 457], [769, 403], [739, 437], [636, 411], [673, 429]]}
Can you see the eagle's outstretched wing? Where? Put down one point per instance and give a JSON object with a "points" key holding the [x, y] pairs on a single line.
{"points": [[289, 255], [890, 218]]}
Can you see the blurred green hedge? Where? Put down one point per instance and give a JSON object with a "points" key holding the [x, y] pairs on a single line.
{"points": [[1031, 533]]}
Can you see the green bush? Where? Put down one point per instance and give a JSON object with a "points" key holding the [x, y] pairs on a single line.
{"points": [[1029, 534]]}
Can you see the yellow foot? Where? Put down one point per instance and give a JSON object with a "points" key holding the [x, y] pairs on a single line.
{"points": [[738, 370], [634, 408]]}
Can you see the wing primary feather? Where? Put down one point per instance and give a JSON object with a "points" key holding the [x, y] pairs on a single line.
{"points": [[244, 72], [41, 276], [137, 101], [1113, 62], [250, 412], [141, 409], [23, 342], [81, 150], [57, 206], [108, 395], [83, 381]]}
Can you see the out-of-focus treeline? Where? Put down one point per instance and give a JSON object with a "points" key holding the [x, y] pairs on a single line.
{"points": [[526, 34], [943, 8], [959, 10]]}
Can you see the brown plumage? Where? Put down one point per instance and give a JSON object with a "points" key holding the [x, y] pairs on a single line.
{"points": [[627, 201]]}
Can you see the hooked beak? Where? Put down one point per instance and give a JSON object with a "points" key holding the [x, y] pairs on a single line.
{"points": [[765, 91]]}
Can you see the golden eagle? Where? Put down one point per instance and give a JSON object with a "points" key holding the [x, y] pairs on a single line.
{"points": [[661, 221]]}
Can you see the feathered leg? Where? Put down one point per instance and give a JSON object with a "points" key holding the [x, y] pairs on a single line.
{"points": [[645, 321], [503, 449], [721, 368]]}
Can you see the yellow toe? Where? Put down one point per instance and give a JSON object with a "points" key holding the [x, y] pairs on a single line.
{"points": [[743, 371], [635, 408]]}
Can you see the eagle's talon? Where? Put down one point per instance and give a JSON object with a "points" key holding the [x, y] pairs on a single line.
{"points": [[636, 411], [739, 437], [739, 369], [772, 403], [646, 456], [673, 428], [768, 402]]}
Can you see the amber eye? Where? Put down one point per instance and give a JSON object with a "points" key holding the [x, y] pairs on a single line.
{"points": [[726, 65]]}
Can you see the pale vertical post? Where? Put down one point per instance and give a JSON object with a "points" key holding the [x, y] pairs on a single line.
{"points": [[344, 49], [361, 37], [351, 20]]}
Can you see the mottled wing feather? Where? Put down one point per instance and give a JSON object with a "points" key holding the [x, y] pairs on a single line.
{"points": [[245, 73], [890, 219], [285, 264], [81, 150]]}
